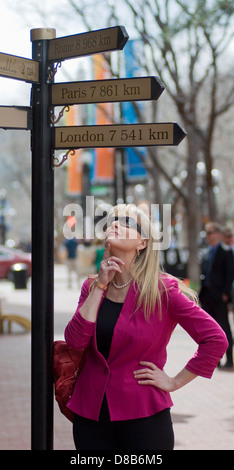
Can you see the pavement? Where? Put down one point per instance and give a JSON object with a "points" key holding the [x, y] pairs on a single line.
{"points": [[203, 411]]}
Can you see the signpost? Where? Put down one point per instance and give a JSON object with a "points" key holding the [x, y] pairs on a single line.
{"points": [[130, 135], [106, 91], [12, 66], [15, 117], [40, 71]]}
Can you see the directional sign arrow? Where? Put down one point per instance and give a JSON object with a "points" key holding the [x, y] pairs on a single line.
{"points": [[15, 117], [12, 66], [92, 42], [106, 91], [130, 135]]}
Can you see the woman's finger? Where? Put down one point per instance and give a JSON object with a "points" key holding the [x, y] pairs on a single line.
{"points": [[145, 376], [116, 260], [113, 267], [106, 251], [149, 364], [142, 371], [144, 382]]}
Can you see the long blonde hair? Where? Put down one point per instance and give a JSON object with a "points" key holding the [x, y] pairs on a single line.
{"points": [[145, 269]]}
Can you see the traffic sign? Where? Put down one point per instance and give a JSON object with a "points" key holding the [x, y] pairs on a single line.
{"points": [[91, 42], [130, 135], [106, 91], [15, 117], [12, 66]]}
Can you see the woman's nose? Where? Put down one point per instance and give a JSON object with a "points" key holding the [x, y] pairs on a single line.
{"points": [[115, 223]]}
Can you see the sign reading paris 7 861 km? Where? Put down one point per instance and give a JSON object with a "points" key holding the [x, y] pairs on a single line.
{"points": [[103, 91]]}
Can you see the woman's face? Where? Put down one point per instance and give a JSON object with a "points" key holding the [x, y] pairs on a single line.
{"points": [[124, 233]]}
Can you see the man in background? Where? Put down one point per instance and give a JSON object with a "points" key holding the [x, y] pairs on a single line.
{"points": [[217, 272]]}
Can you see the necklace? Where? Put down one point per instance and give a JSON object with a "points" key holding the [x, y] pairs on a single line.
{"points": [[124, 285]]}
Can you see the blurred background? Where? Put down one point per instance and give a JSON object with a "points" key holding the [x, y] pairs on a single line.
{"points": [[189, 46]]}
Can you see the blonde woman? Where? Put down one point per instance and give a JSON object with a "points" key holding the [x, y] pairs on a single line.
{"points": [[125, 321]]}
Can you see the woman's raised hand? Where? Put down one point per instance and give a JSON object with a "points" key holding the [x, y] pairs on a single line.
{"points": [[109, 266]]}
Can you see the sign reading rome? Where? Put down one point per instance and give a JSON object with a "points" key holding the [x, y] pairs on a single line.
{"points": [[92, 42], [130, 135]]}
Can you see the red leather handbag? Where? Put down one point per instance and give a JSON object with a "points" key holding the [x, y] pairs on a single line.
{"points": [[67, 364]]}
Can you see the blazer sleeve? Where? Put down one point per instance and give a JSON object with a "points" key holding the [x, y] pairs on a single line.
{"points": [[79, 332], [205, 331]]}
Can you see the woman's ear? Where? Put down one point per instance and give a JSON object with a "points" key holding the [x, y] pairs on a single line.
{"points": [[142, 245]]}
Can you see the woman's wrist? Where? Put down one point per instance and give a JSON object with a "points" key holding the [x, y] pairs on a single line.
{"points": [[89, 309], [181, 379], [100, 285]]}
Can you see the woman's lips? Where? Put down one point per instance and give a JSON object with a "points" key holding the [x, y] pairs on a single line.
{"points": [[112, 232]]}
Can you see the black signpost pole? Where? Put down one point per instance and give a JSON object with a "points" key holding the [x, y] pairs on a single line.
{"points": [[42, 251]]}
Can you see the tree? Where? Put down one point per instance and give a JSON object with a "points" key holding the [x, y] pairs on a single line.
{"points": [[186, 42]]}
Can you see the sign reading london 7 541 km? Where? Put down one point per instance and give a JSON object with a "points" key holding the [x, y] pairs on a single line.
{"points": [[130, 135]]}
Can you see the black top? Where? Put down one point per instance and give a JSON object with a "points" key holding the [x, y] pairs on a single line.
{"points": [[106, 321]]}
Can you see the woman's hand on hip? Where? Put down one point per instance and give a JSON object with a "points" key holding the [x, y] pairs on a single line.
{"points": [[150, 374]]}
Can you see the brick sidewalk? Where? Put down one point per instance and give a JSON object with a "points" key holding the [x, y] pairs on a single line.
{"points": [[203, 411]]}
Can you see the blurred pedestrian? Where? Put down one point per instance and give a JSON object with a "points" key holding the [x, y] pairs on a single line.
{"points": [[228, 238], [99, 252], [229, 244], [71, 261], [217, 271], [124, 320]]}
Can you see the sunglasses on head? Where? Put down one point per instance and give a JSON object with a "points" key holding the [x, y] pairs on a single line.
{"points": [[124, 221]]}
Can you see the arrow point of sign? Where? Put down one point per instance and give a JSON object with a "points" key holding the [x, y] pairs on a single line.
{"points": [[157, 88], [179, 134], [122, 37]]}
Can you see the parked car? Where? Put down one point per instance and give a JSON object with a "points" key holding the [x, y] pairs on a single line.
{"points": [[9, 258]]}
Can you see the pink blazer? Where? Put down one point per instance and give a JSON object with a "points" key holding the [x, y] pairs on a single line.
{"points": [[134, 340]]}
